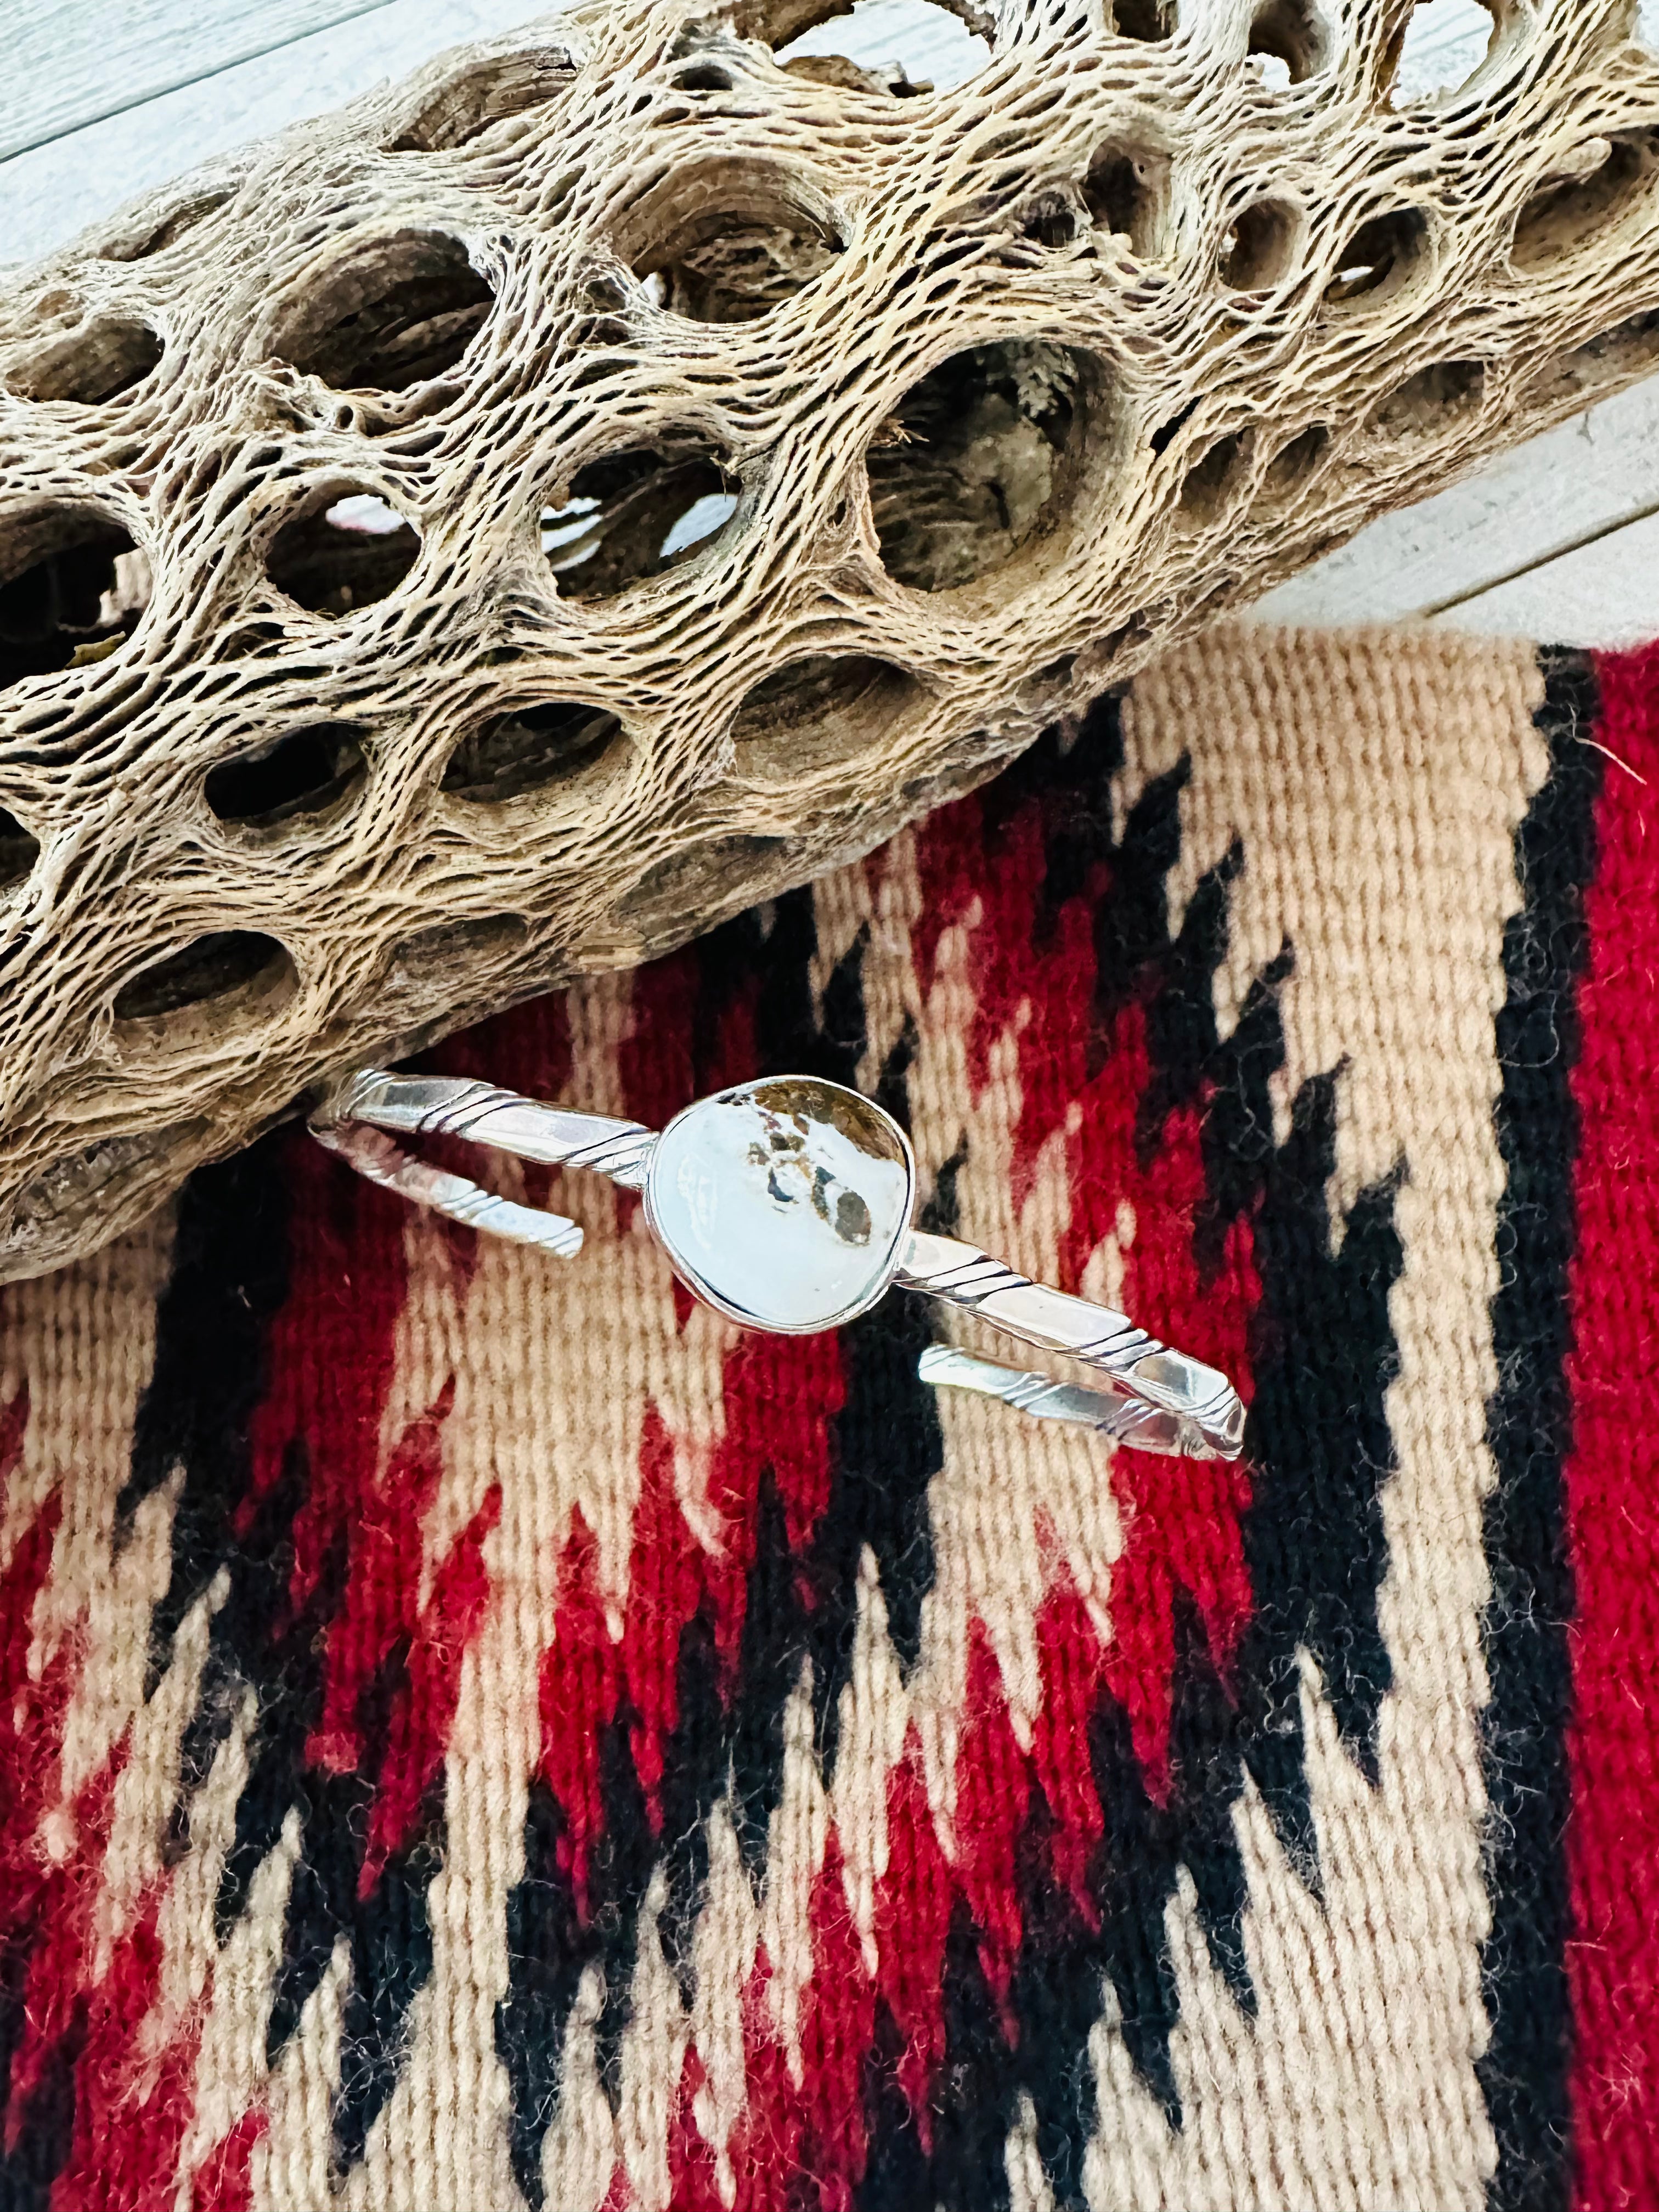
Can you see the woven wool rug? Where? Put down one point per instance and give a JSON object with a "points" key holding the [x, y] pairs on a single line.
{"points": [[479, 1731]]}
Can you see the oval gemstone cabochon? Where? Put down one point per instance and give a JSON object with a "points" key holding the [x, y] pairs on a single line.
{"points": [[786, 1202]]}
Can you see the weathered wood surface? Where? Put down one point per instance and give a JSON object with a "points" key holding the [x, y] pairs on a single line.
{"points": [[1490, 553], [86, 131], [111, 100], [1607, 593], [96, 163], [67, 66]]}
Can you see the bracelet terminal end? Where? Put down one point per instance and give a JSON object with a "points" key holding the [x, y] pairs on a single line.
{"points": [[1119, 1414]]}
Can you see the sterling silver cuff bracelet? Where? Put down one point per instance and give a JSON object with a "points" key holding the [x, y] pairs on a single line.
{"points": [[787, 1204]]}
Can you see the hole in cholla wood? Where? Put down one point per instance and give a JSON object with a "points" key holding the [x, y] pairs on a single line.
{"points": [[1124, 193], [1050, 221], [633, 515], [303, 774], [410, 981], [697, 873], [1600, 184], [166, 1000], [530, 748], [391, 313], [345, 548], [1260, 248], [1207, 487], [97, 364], [1297, 461], [982, 459], [18, 851], [478, 98], [155, 237], [1630, 348], [728, 241], [815, 711], [72, 587], [1290, 40], [1145, 21], [892, 49], [1379, 259], [1422, 403]]}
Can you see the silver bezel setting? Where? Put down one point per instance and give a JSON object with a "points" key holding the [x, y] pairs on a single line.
{"points": [[694, 1283]]}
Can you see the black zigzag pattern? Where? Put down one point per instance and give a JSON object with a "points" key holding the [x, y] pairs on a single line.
{"points": [[1319, 1451], [1546, 946], [800, 1607], [230, 1277], [1319, 1447]]}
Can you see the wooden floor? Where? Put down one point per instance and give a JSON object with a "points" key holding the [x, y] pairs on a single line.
{"points": [[104, 99]]}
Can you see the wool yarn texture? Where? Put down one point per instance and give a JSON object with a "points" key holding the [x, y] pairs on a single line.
{"points": [[477, 1730]]}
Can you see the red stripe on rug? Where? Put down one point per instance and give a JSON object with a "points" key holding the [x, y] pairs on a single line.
{"points": [[1612, 1477]]}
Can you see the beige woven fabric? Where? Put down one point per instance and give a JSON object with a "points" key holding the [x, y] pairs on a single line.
{"points": [[593, 1756]]}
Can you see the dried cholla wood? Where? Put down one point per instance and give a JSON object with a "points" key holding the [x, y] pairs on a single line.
{"points": [[502, 528]]}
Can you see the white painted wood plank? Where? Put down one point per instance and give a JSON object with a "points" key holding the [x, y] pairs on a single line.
{"points": [[49, 194], [1604, 594], [68, 65], [1560, 490]]}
